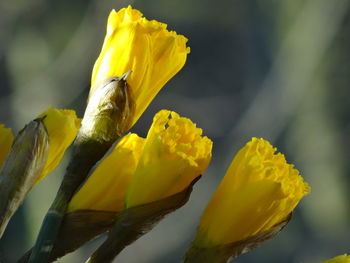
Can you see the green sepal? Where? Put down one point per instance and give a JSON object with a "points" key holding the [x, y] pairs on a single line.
{"points": [[226, 253], [135, 222], [23, 165]]}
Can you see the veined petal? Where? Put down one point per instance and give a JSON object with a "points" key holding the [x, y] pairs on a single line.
{"points": [[147, 48], [6, 139], [62, 127], [105, 189], [175, 153], [260, 189]]}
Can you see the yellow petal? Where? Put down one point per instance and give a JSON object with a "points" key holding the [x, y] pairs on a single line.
{"points": [[147, 48], [62, 127], [339, 259], [105, 189], [259, 190], [6, 139], [175, 153]]}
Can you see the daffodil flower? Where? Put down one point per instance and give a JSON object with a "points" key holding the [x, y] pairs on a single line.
{"points": [[146, 48], [62, 127], [260, 190], [174, 154], [106, 187], [167, 161]]}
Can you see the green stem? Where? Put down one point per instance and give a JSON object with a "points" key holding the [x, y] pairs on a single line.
{"points": [[107, 116], [84, 158]]}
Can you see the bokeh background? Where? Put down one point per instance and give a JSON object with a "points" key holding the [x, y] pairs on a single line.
{"points": [[266, 68]]}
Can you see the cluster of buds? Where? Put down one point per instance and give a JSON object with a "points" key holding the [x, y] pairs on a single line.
{"points": [[123, 184]]}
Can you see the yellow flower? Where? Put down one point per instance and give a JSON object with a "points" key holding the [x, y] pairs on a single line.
{"points": [[62, 127], [174, 154], [147, 48], [339, 259], [167, 161], [6, 139], [260, 189], [105, 189]]}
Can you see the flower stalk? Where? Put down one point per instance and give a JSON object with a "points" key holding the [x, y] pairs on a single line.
{"points": [[77, 228], [105, 119]]}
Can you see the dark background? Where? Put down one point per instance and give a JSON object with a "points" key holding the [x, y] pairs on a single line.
{"points": [[272, 69]]}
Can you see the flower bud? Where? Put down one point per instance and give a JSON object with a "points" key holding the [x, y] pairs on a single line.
{"points": [[147, 48], [62, 127], [252, 203], [105, 188], [173, 157], [174, 154]]}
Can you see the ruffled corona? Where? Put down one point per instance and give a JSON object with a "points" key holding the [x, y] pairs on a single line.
{"points": [[105, 189], [174, 154], [62, 127], [147, 48], [260, 189], [339, 259], [6, 139]]}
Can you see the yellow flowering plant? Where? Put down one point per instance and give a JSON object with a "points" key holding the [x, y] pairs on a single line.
{"points": [[137, 58], [174, 151], [173, 154], [253, 201], [125, 184]]}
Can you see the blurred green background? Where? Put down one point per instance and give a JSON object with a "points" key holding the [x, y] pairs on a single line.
{"points": [[265, 68]]}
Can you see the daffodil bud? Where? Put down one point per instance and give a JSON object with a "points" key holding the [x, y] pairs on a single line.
{"points": [[252, 203], [6, 139], [339, 259], [20, 171], [106, 187], [174, 154], [147, 48], [173, 157], [36, 152], [62, 127]]}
